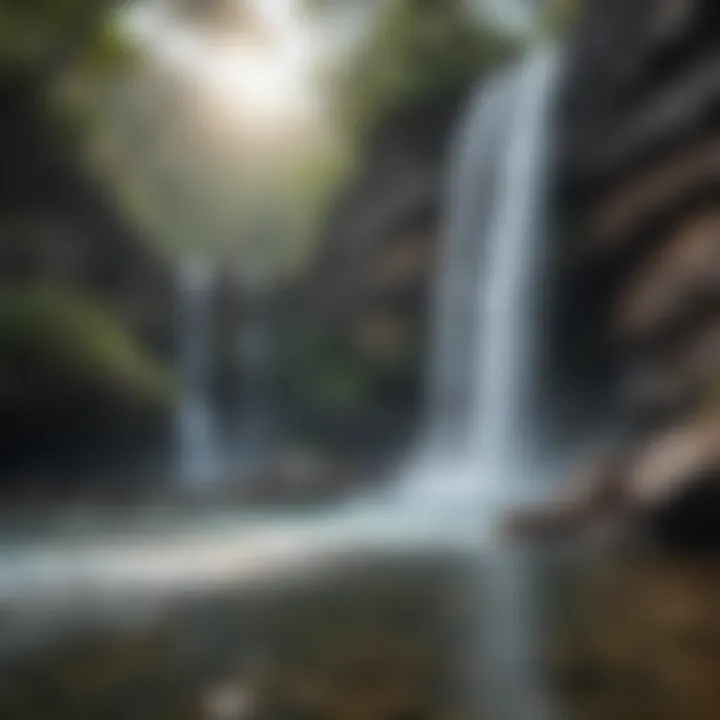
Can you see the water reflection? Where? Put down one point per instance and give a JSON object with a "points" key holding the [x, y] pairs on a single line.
{"points": [[381, 638]]}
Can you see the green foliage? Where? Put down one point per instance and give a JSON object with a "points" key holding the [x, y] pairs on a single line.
{"points": [[417, 49], [53, 333], [313, 186], [36, 33], [322, 373], [559, 16]]}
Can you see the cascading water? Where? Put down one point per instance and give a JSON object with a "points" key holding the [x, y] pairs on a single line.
{"points": [[503, 423], [479, 447], [256, 431], [198, 447], [478, 432], [454, 351]]}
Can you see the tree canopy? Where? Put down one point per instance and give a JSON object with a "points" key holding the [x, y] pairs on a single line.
{"points": [[39, 39]]}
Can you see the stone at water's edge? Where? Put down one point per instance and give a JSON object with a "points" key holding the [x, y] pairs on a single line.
{"points": [[595, 494], [670, 488]]}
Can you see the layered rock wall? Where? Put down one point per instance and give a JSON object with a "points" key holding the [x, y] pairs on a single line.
{"points": [[641, 192]]}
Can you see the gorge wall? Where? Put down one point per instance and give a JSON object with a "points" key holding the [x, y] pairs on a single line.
{"points": [[86, 309], [641, 252], [369, 292]]}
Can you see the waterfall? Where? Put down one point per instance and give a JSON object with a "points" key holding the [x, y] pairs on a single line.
{"points": [[483, 374], [454, 350], [483, 351], [198, 446], [510, 291], [503, 421], [256, 431]]}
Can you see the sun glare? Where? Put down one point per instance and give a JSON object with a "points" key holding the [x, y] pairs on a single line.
{"points": [[261, 81], [261, 84]]}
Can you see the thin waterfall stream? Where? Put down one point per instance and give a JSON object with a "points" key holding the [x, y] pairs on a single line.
{"points": [[198, 446]]}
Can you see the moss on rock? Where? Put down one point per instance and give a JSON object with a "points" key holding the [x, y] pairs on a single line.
{"points": [[60, 336]]}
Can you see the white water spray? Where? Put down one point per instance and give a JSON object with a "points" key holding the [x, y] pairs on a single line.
{"points": [[479, 435]]}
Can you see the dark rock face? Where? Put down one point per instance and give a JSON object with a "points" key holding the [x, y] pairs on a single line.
{"points": [[640, 188], [60, 234], [381, 238], [689, 522], [369, 295]]}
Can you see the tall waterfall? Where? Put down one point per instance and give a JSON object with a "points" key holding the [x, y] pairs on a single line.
{"points": [[511, 296], [198, 446], [256, 432], [479, 431], [501, 431], [454, 350]]}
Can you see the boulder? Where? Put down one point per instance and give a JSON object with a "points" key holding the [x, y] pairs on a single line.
{"points": [[675, 487]]}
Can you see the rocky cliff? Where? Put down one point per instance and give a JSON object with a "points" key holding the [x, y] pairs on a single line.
{"points": [[369, 293], [641, 251]]}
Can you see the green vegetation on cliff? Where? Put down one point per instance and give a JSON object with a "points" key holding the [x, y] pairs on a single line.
{"points": [[56, 335]]}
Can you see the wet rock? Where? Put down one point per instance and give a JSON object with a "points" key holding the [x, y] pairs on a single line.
{"points": [[684, 103], [673, 18], [670, 183], [640, 183], [699, 358], [670, 463], [670, 490], [654, 389], [594, 494], [672, 380], [684, 274]]}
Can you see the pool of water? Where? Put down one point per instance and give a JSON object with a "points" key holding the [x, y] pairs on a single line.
{"points": [[234, 615]]}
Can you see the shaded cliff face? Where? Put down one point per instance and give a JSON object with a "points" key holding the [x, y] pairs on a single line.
{"points": [[641, 247], [86, 309], [368, 298]]}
